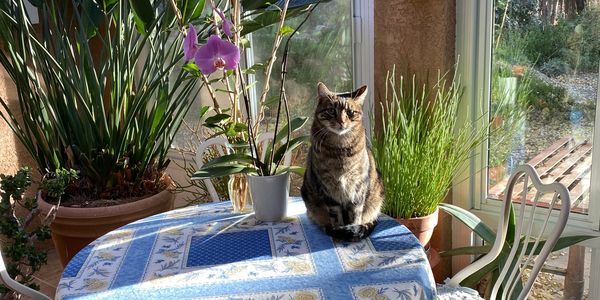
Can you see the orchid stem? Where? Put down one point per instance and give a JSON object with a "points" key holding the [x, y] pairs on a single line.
{"points": [[282, 94]]}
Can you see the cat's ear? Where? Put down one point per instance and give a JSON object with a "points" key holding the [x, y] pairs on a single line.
{"points": [[323, 91], [360, 94]]}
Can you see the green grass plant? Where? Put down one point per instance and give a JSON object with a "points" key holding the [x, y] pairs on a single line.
{"points": [[421, 146]]}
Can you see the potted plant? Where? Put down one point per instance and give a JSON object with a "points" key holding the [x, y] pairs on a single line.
{"points": [[21, 237], [267, 177], [420, 148], [99, 94]]}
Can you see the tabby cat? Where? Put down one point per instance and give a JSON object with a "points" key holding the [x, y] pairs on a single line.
{"points": [[342, 189]]}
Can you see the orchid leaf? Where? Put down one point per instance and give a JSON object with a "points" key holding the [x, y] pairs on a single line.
{"points": [[471, 221], [217, 118], [229, 159], [292, 169], [203, 110], [267, 18], [297, 123], [293, 144], [219, 171], [285, 30]]}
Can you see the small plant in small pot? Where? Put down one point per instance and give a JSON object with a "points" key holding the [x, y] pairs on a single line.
{"points": [[420, 148], [261, 162], [20, 235]]}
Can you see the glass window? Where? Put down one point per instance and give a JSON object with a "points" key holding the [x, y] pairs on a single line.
{"points": [[543, 94], [320, 51]]}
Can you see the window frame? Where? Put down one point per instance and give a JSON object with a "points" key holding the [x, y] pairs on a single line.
{"points": [[474, 35]]}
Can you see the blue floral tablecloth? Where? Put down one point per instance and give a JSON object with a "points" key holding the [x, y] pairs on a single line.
{"points": [[208, 252]]}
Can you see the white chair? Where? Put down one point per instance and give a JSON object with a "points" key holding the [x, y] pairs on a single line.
{"points": [[224, 147], [525, 227], [16, 286]]}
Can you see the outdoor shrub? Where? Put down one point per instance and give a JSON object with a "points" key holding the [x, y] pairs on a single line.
{"points": [[520, 13], [545, 43], [546, 96], [510, 48], [590, 32], [18, 240], [554, 67]]}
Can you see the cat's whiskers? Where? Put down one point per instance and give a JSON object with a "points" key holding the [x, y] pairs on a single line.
{"points": [[318, 138]]}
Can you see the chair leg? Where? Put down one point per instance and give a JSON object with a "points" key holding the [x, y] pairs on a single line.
{"points": [[574, 281]]}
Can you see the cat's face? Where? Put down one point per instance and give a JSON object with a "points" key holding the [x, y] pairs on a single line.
{"points": [[340, 113]]}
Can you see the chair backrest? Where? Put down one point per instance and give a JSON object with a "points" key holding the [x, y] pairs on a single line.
{"points": [[16, 286], [533, 225], [223, 147]]}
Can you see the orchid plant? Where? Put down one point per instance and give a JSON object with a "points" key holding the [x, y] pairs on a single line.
{"points": [[217, 62]]}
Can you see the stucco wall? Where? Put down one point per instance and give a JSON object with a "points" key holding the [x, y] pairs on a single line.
{"points": [[418, 36], [12, 153]]}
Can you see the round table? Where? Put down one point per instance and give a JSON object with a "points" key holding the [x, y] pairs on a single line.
{"points": [[209, 252]]}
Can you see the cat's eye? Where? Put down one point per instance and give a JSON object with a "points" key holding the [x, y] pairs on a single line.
{"points": [[350, 113], [331, 111]]}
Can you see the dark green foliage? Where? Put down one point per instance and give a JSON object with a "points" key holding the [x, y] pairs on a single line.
{"points": [[543, 43], [55, 184], [21, 256], [520, 13], [571, 45], [545, 96], [110, 112]]}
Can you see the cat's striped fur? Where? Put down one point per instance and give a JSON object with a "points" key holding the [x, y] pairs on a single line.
{"points": [[342, 188]]}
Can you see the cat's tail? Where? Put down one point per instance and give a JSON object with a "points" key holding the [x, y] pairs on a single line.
{"points": [[351, 233]]}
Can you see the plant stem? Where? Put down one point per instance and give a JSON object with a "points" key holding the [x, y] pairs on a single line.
{"points": [[269, 68], [282, 95]]}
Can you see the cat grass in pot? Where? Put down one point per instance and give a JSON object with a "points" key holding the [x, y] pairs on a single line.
{"points": [[342, 188]]}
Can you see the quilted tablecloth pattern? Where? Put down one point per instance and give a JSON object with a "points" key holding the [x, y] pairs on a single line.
{"points": [[208, 252]]}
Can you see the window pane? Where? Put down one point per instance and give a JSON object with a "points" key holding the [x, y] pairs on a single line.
{"points": [[544, 91], [321, 51]]}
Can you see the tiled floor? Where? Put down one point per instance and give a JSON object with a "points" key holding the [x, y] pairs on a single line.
{"points": [[49, 275]]}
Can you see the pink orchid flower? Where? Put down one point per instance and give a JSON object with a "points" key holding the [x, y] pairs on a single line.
{"points": [[226, 25], [190, 43], [217, 54]]}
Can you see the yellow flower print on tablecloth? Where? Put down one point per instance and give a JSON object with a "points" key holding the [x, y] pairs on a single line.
{"points": [[172, 231], [368, 292], [105, 256], [372, 294], [233, 270], [286, 239], [94, 284], [305, 296], [360, 263], [298, 267]]}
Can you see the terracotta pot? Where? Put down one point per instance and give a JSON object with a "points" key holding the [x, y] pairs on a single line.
{"points": [[74, 228], [422, 227]]}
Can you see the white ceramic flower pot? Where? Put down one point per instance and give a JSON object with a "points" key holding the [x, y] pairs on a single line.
{"points": [[269, 196]]}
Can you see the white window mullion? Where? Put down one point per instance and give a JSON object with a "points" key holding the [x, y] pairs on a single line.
{"points": [[473, 24], [363, 32], [594, 206]]}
